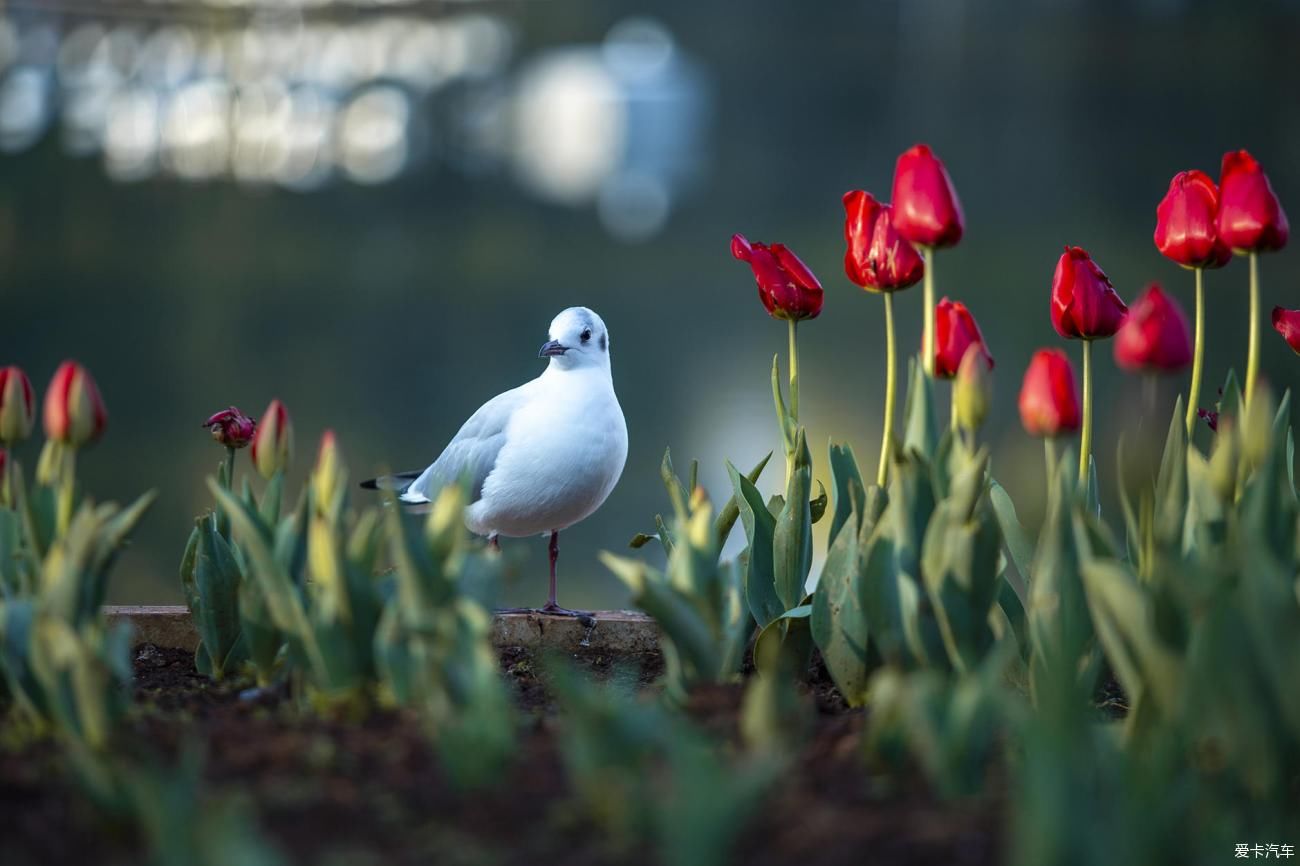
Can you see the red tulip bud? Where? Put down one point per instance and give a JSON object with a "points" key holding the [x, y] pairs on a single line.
{"points": [[1049, 400], [231, 428], [926, 210], [787, 288], [1084, 303], [1287, 323], [273, 441], [74, 411], [17, 406], [1251, 218], [1186, 222], [955, 332], [877, 257], [1154, 336]]}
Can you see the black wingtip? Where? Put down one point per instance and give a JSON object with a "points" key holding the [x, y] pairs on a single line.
{"points": [[399, 481]]}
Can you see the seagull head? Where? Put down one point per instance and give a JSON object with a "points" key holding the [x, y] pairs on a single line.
{"points": [[578, 338]]}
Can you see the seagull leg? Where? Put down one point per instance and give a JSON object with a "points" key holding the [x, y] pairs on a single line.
{"points": [[494, 542], [551, 606]]}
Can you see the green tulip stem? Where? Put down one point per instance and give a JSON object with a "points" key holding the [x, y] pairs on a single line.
{"points": [[952, 407], [67, 489], [891, 389], [1085, 441], [927, 340], [794, 373], [1252, 356], [1049, 452], [1198, 353], [790, 424]]}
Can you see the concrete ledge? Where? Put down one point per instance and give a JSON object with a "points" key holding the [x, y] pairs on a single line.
{"points": [[614, 631]]}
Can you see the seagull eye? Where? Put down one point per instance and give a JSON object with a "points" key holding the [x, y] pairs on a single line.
{"points": [[586, 334]]}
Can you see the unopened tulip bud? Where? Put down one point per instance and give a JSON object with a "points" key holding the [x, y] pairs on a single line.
{"points": [[1154, 337], [1224, 460], [972, 392], [74, 411], [955, 332], [231, 428], [1250, 218], [1084, 303], [926, 210], [17, 406], [328, 476], [1049, 400], [1257, 426], [273, 441]]}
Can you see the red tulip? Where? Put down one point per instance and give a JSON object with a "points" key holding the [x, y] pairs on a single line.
{"points": [[1185, 222], [877, 258], [927, 212], [273, 440], [17, 405], [1287, 323], [955, 332], [74, 411], [1154, 336], [787, 288], [231, 428], [1084, 303], [1049, 400], [1250, 217]]}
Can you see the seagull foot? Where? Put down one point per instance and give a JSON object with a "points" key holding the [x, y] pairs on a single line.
{"points": [[586, 617], [552, 609]]}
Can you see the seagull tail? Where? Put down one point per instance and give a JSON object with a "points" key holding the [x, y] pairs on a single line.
{"points": [[397, 483]]}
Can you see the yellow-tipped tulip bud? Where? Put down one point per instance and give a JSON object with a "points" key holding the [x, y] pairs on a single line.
{"points": [[17, 406], [273, 441], [1257, 426], [330, 474], [1224, 460], [972, 392]]}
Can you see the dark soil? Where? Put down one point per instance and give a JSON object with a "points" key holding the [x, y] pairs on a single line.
{"points": [[369, 790]]}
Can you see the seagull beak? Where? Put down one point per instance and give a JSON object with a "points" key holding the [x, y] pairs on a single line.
{"points": [[554, 347]]}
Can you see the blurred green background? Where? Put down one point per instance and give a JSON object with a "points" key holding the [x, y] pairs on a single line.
{"points": [[379, 232]]}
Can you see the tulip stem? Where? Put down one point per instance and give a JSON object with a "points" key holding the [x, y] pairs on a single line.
{"points": [[1049, 451], [1252, 356], [790, 424], [67, 489], [891, 375], [1085, 440], [1198, 353], [794, 373], [927, 336]]}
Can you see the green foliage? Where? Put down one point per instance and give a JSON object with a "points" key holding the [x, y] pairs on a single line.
{"points": [[433, 645], [225, 601], [327, 604], [645, 773], [697, 601], [181, 823], [63, 666], [916, 578], [951, 724]]}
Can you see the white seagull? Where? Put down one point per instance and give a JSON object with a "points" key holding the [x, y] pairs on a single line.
{"points": [[541, 457]]}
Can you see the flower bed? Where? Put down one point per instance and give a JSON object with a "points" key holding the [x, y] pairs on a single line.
{"points": [[337, 789]]}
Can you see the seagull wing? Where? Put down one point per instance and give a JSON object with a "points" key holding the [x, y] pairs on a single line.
{"points": [[472, 453]]}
